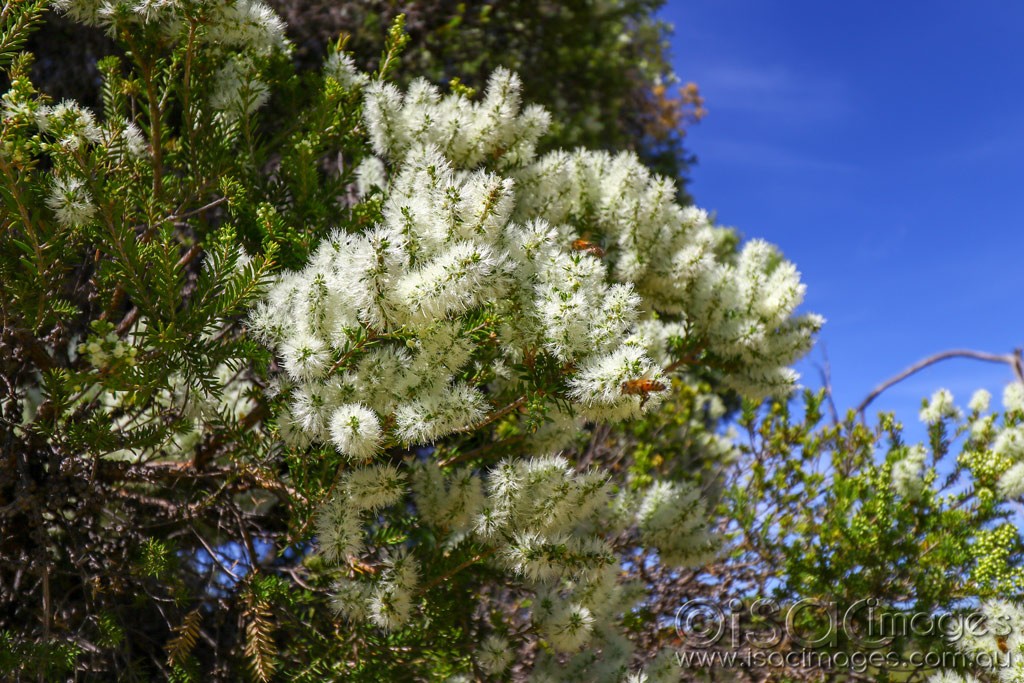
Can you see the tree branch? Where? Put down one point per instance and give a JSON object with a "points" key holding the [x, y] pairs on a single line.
{"points": [[1014, 360]]}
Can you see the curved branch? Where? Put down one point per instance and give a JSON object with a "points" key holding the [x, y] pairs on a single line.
{"points": [[1014, 360]]}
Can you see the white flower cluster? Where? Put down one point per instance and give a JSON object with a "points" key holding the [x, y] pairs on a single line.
{"points": [[734, 311], [980, 401], [196, 410], [469, 134], [246, 25], [908, 473], [388, 601], [995, 449], [70, 132], [386, 321], [940, 407], [951, 677], [1013, 397], [544, 524], [673, 520], [340, 523], [493, 276], [995, 645], [244, 31], [237, 90], [71, 202]]}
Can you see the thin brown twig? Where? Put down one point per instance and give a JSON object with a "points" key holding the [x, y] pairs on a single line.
{"points": [[825, 370], [494, 416]]}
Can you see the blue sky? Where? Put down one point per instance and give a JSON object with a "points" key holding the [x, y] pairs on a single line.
{"points": [[881, 146]]}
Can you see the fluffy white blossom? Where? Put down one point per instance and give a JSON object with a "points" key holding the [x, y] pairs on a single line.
{"points": [[305, 356], [1013, 397], [351, 599], [341, 67], [996, 644], [951, 677], [391, 599], [566, 626], [939, 407], [339, 529], [908, 473], [440, 413], [233, 26], [672, 518], [1011, 483], [374, 487], [71, 124], [248, 25], [1010, 443], [355, 431], [494, 654], [71, 202], [496, 283], [980, 401], [370, 173], [237, 89]]}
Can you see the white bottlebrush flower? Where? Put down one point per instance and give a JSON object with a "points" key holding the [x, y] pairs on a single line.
{"points": [[305, 356], [374, 487], [71, 202], [951, 677], [247, 24], [355, 431], [237, 89], [618, 385], [339, 530], [908, 473], [939, 407], [370, 173], [391, 600], [341, 67], [980, 401], [983, 428], [154, 10], [1013, 397], [124, 141], [439, 414], [465, 276], [311, 408], [72, 125], [494, 654], [568, 627], [84, 11], [1009, 443], [673, 519], [1011, 483], [351, 599]]}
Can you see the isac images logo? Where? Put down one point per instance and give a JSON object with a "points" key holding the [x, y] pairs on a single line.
{"points": [[821, 634]]}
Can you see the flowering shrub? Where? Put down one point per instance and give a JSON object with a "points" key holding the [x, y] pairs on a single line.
{"points": [[320, 378], [459, 313], [379, 390], [497, 287]]}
